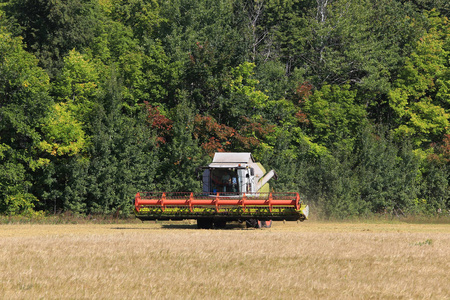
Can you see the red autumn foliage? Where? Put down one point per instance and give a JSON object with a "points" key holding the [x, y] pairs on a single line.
{"points": [[159, 122], [304, 90], [259, 129], [215, 137], [443, 148], [302, 117]]}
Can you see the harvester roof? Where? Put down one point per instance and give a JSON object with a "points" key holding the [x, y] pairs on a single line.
{"points": [[231, 159]]}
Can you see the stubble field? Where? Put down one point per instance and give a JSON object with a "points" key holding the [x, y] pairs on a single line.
{"points": [[310, 260]]}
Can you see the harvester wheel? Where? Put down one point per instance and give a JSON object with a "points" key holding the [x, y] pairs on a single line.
{"points": [[255, 223], [204, 223], [264, 224], [220, 224], [252, 223]]}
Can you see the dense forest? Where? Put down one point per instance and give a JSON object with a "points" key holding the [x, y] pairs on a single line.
{"points": [[349, 101]]}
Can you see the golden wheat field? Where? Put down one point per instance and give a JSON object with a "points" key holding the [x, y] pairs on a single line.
{"points": [[310, 260]]}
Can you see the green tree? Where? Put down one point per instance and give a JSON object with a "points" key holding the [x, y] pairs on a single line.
{"points": [[142, 16], [441, 6], [24, 106], [388, 174], [147, 76], [64, 129], [434, 192], [287, 25], [334, 116], [331, 186], [420, 98], [214, 22], [122, 158], [142, 62], [77, 85], [182, 156], [15, 196], [62, 133], [51, 29]]}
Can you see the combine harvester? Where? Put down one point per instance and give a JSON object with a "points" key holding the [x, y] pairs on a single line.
{"points": [[235, 188]]}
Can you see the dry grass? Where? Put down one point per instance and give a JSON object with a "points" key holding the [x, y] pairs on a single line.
{"points": [[312, 260]]}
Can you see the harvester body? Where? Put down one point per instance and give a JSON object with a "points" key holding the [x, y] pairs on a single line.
{"points": [[235, 188]]}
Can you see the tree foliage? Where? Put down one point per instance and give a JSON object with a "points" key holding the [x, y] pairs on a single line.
{"points": [[347, 100]]}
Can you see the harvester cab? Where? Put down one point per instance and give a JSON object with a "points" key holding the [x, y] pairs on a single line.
{"points": [[236, 173], [235, 188]]}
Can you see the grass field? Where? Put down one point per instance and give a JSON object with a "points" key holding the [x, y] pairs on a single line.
{"points": [[310, 260]]}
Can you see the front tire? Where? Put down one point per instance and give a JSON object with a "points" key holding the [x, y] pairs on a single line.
{"points": [[251, 223]]}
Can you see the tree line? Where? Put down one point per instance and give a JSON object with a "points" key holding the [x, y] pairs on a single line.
{"points": [[349, 101]]}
